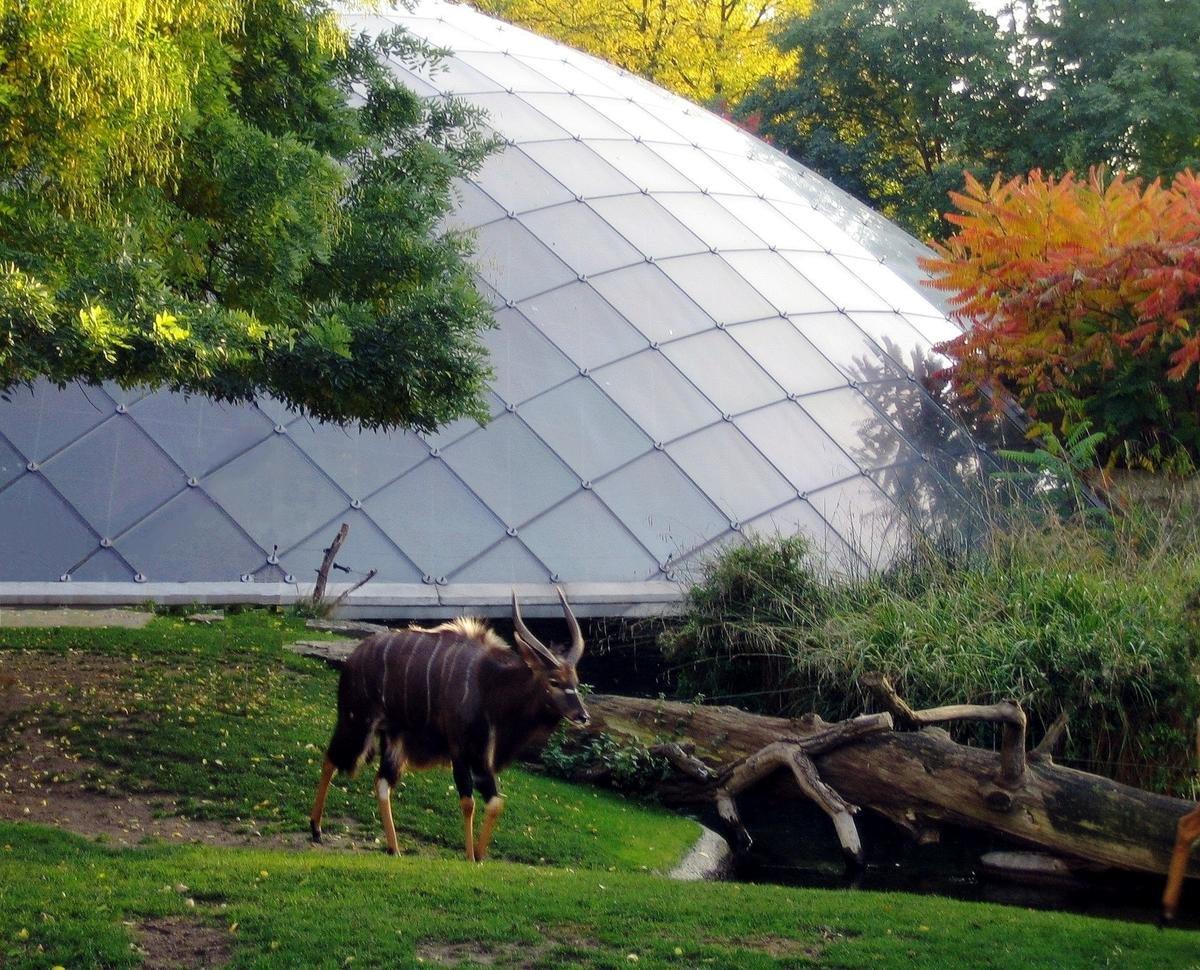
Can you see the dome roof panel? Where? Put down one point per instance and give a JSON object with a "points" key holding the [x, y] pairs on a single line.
{"points": [[654, 269]]}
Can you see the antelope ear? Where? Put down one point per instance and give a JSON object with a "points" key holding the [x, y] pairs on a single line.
{"points": [[537, 658]]}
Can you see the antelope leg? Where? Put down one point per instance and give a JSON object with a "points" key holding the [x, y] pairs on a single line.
{"points": [[1188, 833], [491, 815], [467, 804], [318, 809], [383, 792]]}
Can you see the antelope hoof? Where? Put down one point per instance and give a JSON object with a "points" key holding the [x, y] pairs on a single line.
{"points": [[390, 851], [316, 832]]}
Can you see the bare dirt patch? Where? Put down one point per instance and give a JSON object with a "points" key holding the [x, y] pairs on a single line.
{"points": [[44, 779], [175, 942]]}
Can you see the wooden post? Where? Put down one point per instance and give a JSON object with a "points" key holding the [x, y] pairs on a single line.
{"points": [[327, 564]]}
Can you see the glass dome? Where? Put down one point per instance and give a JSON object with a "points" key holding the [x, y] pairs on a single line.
{"points": [[698, 340]]}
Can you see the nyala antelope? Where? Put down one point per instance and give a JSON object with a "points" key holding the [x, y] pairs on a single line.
{"points": [[456, 693]]}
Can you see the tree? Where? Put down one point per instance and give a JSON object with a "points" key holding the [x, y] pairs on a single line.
{"points": [[1121, 82], [189, 199], [705, 50], [892, 101], [1083, 297]]}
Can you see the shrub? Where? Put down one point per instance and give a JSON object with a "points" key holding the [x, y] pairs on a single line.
{"points": [[1101, 622], [1083, 297]]}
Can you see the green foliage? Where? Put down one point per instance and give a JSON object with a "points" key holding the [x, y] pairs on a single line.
{"points": [[1102, 622], [1121, 82], [600, 758], [81, 905], [272, 230], [893, 100]]}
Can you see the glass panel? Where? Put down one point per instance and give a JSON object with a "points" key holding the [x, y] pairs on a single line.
{"points": [[782, 352], [511, 470], [846, 291], [585, 429], [524, 361], [634, 119], [447, 434], [569, 77], [731, 472], [512, 118], [441, 33], [769, 180], [700, 167], [706, 129], [901, 342], [434, 518], [710, 221], [276, 411], [836, 336], [198, 433], [581, 540], [114, 475], [359, 461], [120, 395], [651, 302], [518, 183], [506, 562], [582, 324], [642, 166], [797, 446], [656, 396], [934, 329], [275, 493], [579, 168], [449, 76], [827, 234], [508, 71], [580, 238], [891, 289], [863, 432], [776, 280], [865, 518], [937, 508], [510, 258], [720, 291], [767, 222], [669, 515], [12, 465], [722, 370], [473, 209], [574, 116], [105, 566], [42, 537], [929, 428], [365, 548], [189, 540], [646, 224], [38, 421], [800, 518]]}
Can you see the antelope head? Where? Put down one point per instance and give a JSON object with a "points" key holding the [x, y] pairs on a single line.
{"points": [[554, 669]]}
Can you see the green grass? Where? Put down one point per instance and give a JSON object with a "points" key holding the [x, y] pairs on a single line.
{"points": [[225, 720], [235, 727], [66, 902], [1103, 622]]}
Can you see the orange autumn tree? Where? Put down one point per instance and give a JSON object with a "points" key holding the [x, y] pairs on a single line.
{"points": [[1082, 300]]}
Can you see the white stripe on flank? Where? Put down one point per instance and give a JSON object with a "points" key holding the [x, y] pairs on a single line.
{"points": [[387, 655], [491, 747], [404, 676], [470, 677], [428, 669]]}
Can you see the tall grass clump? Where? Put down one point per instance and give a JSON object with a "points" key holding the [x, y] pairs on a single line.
{"points": [[1103, 622]]}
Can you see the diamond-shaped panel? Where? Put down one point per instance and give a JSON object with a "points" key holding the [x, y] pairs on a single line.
{"points": [[42, 537]]}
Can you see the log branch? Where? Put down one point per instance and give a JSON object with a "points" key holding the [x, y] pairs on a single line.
{"points": [[1007, 713], [327, 564], [1049, 746]]}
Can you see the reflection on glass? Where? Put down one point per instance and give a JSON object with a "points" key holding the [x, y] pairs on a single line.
{"points": [[739, 480], [723, 372]]}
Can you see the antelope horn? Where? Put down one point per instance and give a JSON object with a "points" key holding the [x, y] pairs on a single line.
{"points": [[528, 638], [576, 651]]}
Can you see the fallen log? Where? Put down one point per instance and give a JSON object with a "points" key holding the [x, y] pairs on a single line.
{"points": [[919, 779]]}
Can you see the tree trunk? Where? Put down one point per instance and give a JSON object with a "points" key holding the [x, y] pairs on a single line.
{"points": [[919, 779]]}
